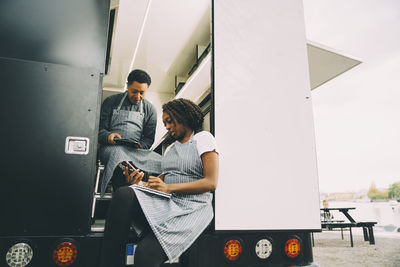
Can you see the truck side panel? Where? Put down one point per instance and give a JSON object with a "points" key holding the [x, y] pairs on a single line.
{"points": [[51, 68], [69, 32], [46, 191]]}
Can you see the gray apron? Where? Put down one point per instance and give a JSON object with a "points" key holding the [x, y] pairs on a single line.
{"points": [[177, 222], [129, 124]]}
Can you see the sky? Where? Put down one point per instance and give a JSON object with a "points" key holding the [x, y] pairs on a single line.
{"points": [[357, 114]]}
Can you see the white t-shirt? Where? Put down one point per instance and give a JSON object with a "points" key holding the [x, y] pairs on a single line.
{"points": [[205, 142]]}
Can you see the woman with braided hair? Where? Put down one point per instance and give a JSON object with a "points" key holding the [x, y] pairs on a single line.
{"points": [[189, 172]]}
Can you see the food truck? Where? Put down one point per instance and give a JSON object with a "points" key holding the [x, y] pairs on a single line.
{"points": [[244, 62]]}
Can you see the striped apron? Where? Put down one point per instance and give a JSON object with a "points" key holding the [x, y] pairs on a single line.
{"points": [[129, 124], [177, 222]]}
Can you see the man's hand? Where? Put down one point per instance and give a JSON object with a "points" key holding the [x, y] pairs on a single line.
{"points": [[111, 137], [158, 184]]}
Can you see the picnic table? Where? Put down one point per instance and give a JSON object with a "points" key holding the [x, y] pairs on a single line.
{"points": [[327, 223]]}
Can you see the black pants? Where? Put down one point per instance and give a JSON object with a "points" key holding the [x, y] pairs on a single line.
{"points": [[118, 179], [124, 209]]}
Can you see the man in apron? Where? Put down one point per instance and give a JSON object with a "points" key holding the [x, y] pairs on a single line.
{"points": [[130, 118]]}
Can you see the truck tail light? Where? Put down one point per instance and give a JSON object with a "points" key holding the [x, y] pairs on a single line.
{"points": [[293, 247], [233, 249], [19, 255], [65, 254], [263, 248]]}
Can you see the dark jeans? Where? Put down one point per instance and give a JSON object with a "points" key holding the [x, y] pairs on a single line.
{"points": [[124, 209]]}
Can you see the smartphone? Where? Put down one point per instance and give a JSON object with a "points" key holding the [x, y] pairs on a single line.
{"points": [[126, 142], [126, 165]]}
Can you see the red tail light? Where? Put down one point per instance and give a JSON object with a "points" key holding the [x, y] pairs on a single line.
{"points": [[65, 254], [292, 248], [233, 250]]}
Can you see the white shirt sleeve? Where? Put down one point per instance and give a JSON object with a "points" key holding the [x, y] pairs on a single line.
{"points": [[205, 142]]}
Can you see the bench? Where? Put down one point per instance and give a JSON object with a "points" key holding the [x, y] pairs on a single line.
{"points": [[333, 225], [325, 224], [368, 231], [366, 226], [329, 224]]}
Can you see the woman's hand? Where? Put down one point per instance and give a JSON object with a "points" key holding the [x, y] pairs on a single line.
{"points": [[158, 184], [134, 177]]}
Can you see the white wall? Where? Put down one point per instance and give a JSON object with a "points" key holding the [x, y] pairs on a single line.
{"points": [[263, 117]]}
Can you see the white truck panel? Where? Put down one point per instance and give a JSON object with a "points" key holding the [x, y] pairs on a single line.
{"points": [[263, 117]]}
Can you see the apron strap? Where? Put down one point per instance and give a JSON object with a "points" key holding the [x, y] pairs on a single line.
{"points": [[122, 101], [141, 106]]}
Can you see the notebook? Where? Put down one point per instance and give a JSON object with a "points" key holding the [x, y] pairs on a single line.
{"points": [[152, 191]]}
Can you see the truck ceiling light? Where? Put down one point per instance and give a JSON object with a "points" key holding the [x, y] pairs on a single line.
{"points": [[263, 248], [292, 248], [233, 250], [19, 255], [65, 254]]}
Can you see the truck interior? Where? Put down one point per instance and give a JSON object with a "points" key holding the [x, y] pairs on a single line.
{"points": [[173, 47]]}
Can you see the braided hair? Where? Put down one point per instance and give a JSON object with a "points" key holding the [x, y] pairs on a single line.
{"points": [[186, 112]]}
